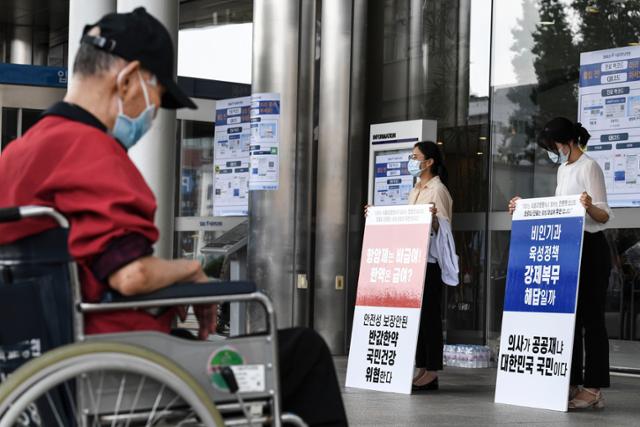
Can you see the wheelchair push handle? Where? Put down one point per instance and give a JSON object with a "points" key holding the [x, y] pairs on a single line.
{"points": [[16, 213]]}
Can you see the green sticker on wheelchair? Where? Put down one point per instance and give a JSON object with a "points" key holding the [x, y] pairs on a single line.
{"points": [[226, 356]]}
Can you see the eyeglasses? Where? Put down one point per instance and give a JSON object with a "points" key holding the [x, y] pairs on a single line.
{"points": [[414, 157]]}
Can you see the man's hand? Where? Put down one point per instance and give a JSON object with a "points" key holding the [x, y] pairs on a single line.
{"points": [[512, 204], [207, 314]]}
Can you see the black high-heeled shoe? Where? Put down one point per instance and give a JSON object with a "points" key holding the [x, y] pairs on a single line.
{"points": [[431, 385]]}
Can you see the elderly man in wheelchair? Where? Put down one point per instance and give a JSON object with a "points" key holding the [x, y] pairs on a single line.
{"points": [[86, 310]]}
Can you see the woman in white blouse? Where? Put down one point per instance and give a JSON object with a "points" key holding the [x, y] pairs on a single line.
{"points": [[580, 174]]}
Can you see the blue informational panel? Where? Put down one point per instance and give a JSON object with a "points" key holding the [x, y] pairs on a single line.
{"points": [[609, 107], [33, 75], [536, 341], [393, 182], [390, 145]]}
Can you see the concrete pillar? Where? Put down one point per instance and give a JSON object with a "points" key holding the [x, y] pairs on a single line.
{"points": [[21, 45], [40, 46], [81, 13], [333, 173], [155, 154]]}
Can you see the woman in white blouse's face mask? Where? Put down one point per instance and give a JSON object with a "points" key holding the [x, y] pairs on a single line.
{"points": [[564, 151]]}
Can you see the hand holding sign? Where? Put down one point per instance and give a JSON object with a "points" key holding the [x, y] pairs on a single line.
{"points": [[512, 204], [586, 200]]}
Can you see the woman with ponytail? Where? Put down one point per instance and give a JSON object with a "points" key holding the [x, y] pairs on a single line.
{"points": [[425, 163], [578, 173]]}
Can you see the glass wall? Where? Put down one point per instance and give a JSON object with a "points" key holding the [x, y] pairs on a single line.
{"points": [[195, 191], [207, 25], [492, 73], [534, 77], [430, 60]]}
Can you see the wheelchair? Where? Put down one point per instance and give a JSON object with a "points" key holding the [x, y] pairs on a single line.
{"points": [[55, 375]]}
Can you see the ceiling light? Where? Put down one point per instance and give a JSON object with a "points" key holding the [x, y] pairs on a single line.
{"points": [[483, 138], [546, 22]]}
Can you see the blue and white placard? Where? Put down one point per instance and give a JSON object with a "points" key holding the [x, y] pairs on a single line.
{"points": [[536, 342]]}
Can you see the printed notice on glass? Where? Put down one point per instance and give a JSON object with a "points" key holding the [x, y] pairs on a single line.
{"points": [[231, 157], [609, 108], [389, 298], [265, 141], [393, 182], [536, 341]]}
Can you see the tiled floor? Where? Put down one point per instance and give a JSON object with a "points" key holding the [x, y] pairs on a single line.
{"points": [[465, 398]]}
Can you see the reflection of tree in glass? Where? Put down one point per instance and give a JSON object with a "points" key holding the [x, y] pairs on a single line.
{"points": [[606, 23], [602, 24], [441, 35], [516, 133], [556, 65]]}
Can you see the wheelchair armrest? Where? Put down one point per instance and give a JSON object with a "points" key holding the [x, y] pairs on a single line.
{"points": [[186, 294], [186, 290]]}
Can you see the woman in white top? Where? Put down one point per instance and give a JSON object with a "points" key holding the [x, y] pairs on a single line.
{"points": [[580, 174], [426, 164]]}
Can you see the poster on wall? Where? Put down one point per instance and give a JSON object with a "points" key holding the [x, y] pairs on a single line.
{"points": [[264, 153], [536, 340], [393, 182], [609, 108], [389, 298], [231, 144]]}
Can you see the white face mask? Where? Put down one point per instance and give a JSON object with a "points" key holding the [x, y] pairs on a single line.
{"points": [[414, 167], [559, 158]]}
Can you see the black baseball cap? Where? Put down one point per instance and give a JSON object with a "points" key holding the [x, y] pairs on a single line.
{"points": [[139, 36]]}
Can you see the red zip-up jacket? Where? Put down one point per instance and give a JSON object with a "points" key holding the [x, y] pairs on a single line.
{"points": [[67, 161]]}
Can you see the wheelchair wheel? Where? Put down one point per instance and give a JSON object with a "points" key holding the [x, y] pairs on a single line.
{"points": [[106, 383]]}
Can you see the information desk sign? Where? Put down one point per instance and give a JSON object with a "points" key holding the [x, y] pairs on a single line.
{"points": [[536, 342], [389, 298]]}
